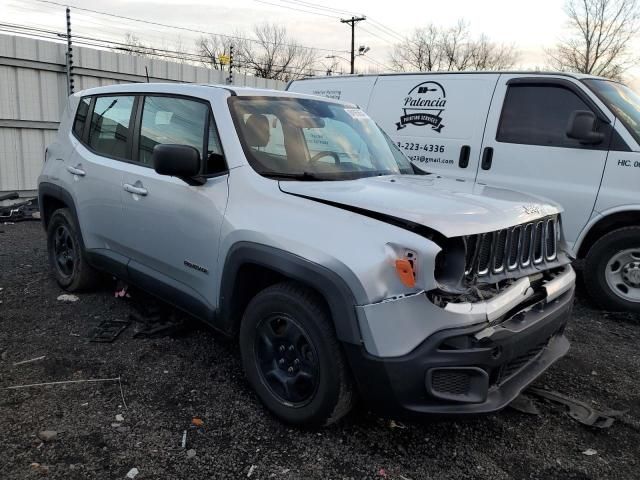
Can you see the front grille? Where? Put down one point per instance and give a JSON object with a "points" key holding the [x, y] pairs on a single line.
{"points": [[514, 248], [451, 382]]}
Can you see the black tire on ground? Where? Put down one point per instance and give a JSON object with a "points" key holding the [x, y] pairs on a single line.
{"points": [[290, 307], [596, 265], [74, 274]]}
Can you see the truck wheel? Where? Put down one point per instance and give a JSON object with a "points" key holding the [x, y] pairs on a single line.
{"points": [[612, 270], [292, 358], [66, 256]]}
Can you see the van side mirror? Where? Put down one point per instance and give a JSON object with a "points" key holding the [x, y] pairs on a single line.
{"points": [[180, 161], [582, 127]]}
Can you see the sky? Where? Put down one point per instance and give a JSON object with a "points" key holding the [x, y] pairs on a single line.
{"points": [[531, 26]]}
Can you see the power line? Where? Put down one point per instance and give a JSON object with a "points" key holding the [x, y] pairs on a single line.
{"points": [[296, 9], [192, 30]]}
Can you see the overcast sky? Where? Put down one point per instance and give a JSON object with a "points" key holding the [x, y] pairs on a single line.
{"points": [[530, 26]]}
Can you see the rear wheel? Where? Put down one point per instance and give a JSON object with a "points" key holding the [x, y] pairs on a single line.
{"points": [[612, 270], [292, 358], [66, 256]]}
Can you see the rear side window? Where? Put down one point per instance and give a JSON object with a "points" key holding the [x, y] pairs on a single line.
{"points": [[81, 116], [111, 126], [172, 121], [539, 115]]}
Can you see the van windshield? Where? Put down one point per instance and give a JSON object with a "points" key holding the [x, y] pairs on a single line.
{"points": [[623, 102], [306, 139]]}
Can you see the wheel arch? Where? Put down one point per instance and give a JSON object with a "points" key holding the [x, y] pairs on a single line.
{"points": [[251, 267], [604, 223], [51, 197]]}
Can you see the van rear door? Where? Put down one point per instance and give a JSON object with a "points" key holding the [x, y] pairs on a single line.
{"points": [[436, 119], [526, 147]]}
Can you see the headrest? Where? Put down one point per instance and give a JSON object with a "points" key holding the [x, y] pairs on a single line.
{"points": [[256, 130]]}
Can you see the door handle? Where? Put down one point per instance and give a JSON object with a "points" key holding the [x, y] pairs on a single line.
{"points": [[76, 171], [487, 158], [463, 162], [135, 190]]}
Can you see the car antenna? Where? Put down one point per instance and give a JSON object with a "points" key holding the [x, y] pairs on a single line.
{"points": [[147, 72]]}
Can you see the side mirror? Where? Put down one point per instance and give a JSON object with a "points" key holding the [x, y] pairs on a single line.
{"points": [[180, 161], [582, 127]]}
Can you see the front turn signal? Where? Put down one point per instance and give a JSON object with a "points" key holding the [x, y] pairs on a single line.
{"points": [[405, 272]]}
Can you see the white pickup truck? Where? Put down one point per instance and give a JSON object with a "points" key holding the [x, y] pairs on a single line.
{"points": [[571, 138]]}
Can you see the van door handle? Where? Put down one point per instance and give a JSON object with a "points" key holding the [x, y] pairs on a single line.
{"points": [[136, 190], [76, 171], [487, 158], [465, 151]]}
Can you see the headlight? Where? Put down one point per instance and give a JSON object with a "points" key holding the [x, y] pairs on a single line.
{"points": [[450, 265]]}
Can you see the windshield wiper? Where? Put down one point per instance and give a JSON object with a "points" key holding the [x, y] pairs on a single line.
{"points": [[293, 176]]}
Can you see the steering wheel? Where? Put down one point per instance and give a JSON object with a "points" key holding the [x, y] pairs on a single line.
{"points": [[325, 153]]}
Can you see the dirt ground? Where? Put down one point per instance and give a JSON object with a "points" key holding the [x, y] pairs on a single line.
{"points": [[168, 381]]}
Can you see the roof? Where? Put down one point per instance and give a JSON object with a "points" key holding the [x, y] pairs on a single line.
{"points": [[577, 76], [197, 90]]}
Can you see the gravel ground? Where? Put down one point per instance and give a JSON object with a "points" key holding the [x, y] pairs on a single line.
{"points": [[168, 381]]}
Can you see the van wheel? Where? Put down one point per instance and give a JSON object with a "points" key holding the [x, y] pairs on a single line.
{"points": [[292, 358], [612, 270], [66, 256]]}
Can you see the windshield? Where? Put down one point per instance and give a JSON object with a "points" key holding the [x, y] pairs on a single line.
{"points": [[623, 102], [313, 140]]}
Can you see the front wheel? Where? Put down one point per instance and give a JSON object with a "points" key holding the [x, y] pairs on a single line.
{"points": [[292, 358], [612, 270]]}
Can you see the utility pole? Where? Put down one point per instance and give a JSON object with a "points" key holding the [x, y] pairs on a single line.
{"points": [[231, 64], [352, 21], [69, 55]]}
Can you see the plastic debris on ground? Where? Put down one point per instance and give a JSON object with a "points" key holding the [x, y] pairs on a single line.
{"points": [[589, 452], [578, 410], [252, 468], [525, 404], [132, 473], [108, 330], [67, 297]]}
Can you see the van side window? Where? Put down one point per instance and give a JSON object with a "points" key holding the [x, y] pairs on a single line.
{"points": [[81, 116], [539, 115], [170, 120], [110, 126], [215, 157]]}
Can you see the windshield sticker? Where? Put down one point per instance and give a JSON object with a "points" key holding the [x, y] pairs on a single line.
{"points": [[356, 113], [423, 106]]}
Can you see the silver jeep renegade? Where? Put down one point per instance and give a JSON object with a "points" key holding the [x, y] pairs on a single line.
{"points": [[295, 224]]}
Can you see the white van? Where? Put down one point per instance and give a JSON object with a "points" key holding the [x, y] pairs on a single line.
{"points": [[572, 138]]}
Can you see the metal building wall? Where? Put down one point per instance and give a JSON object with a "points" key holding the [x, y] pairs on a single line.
{"points": [[33, 95]]}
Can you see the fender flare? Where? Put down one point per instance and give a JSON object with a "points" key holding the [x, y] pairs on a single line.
{"points": [[330, 285], [47, 189]]}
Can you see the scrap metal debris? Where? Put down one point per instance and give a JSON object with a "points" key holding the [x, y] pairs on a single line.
{"points": [[155, 319], [578, 410], [18, 212]]}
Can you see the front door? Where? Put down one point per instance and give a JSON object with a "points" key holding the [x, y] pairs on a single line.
{"points": [[526, 147], [173, 228]]}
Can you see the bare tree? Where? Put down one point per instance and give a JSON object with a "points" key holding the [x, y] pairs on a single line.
{"points": [[451, 49], [133, 45], [216, 49], [598, 41], [274, 55]]}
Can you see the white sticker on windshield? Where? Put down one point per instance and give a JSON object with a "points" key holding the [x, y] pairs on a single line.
{"points": [[356, 113]]}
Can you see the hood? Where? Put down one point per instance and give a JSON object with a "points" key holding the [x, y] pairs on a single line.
{"points": [[451, 207]]}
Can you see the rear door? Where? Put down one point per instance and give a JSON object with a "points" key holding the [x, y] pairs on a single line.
{"points": [[173, 228], [96, 170], [526, 147], [436, 119]]}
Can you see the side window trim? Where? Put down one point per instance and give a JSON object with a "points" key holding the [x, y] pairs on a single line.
{"points": [[87, 130], [206, 145], [87, 120], [135, 141], [557, 83]]}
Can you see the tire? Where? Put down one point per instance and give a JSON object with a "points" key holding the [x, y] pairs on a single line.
{"points": [[612, 270], [66, 255], [318, 388]]}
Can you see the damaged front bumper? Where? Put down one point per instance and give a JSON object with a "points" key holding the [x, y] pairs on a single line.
{"points": [[471, 358]]}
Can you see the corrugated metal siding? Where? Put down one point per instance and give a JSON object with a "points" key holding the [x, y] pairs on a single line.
{"points": [[33, 89]]}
